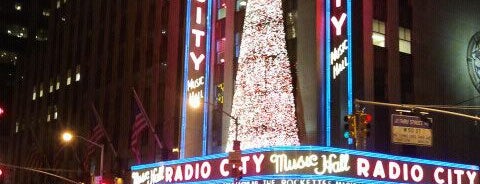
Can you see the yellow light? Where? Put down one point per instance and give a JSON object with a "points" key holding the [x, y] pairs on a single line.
{"points": [[118, 181], [194, 101], [175, 150], [67, 136]]}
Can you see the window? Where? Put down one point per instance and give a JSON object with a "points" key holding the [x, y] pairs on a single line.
{"points": [[378, 35], [41, 35], [49, 113], [404, 36], [69, 77], [40, 94], [405, 40], [77, 73], [46, 13], [18, 6], [17, 31], [50, 90], [55, 112], [7, 56], [57, 87], [17, 127], [34, 97]]}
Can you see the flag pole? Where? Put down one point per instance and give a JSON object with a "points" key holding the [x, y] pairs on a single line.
{"points": [[99, 120], [139, 103]]}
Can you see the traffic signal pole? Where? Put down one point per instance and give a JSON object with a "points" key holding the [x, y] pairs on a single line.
{"points": [[414, 106]]}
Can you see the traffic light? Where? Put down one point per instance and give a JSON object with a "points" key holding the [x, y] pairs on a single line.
{"points": [[364, 123], [350, 132]]}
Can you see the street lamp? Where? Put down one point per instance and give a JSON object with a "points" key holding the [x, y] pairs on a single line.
{"points": [[68, 136]]}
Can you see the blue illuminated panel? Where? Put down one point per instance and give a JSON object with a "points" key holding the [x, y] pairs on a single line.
{"points": [[207, 78], [338, 67], [328, 123], [196, 78], [185, 80]]}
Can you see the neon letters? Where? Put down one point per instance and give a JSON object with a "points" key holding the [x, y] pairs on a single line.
{"points": [[408, 172], [325, 164], [337, 62]]}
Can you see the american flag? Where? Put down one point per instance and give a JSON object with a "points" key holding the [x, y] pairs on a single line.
{"points": [[139, 124], [96, 136]]}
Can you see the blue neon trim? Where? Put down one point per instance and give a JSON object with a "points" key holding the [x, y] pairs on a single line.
{"points": [[311, 177], [314, 148], [207, 78], [294, 176], [349, 58], [185, 81], [328, 125], [180, 161]]}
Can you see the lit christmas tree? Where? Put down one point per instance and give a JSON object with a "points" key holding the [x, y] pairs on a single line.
{"points": [[263, 99]]}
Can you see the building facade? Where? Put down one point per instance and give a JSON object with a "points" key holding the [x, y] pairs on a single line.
{"points": [[96, 54], [22, 33]]}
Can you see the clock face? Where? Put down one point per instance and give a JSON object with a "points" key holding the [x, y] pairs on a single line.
{"points": [[473, 60]]}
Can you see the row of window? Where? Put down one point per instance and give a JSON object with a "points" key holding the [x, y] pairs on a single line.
{"points": [[7, 56], [18, 6], [404, 35], [51, 115], [22, 32], [57, 84]]}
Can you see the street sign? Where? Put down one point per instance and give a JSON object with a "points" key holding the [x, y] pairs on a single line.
{"points": [[411, 130]]}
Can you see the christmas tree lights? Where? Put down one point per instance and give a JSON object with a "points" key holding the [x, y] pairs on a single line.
{"points": [[263, 100]]}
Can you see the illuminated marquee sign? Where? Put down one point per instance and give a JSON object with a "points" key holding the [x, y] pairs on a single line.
{"points": [[307, 164], [196, 78], [338, 67]]}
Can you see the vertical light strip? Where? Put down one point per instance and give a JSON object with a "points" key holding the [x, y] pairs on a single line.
{"points": [[328, 125], [185, 80], [206, 103], [350, 58]]}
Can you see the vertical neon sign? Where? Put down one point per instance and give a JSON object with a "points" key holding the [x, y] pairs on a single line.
{"points": [[338, 65], [196, 78]]}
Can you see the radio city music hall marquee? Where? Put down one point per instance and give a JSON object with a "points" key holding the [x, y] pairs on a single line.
{"points": [[307, 164]]}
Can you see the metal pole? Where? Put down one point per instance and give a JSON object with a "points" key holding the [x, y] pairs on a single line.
{"points": [[101, 154], [413, 106], [101, 160], [39, 171]]}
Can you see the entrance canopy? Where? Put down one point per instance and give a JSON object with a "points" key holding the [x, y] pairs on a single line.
{"points": [[307, 165]]}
